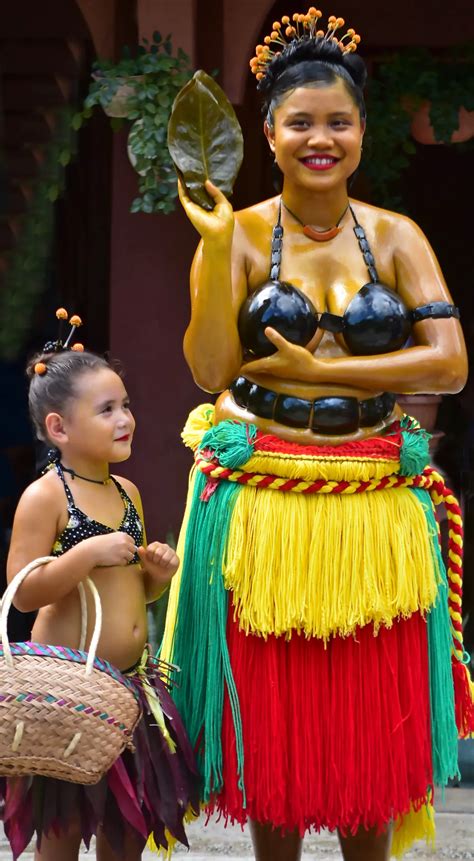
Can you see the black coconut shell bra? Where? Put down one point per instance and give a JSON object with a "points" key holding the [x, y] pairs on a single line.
{"points": [[375, 321]]}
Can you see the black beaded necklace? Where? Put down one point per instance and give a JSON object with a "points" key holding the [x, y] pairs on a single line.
{"points": [[75, 474]]}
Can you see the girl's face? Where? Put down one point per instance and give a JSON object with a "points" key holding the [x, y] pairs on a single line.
{"points": [[317, 136], [98, 421]]}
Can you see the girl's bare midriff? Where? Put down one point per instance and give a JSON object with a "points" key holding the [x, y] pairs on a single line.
{"points": [[124, 623]]}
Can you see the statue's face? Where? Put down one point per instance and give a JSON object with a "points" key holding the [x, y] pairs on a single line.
{"points": [[317, 135]]}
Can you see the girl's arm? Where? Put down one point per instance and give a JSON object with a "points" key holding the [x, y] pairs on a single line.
{"points": [[218, 287], [35, 528], [437, 363]]}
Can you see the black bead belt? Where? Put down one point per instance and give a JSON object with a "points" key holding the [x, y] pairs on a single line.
{"points": [[330, 415]]}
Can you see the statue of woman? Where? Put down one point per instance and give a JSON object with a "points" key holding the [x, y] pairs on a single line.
{"points": [[310, 619]]}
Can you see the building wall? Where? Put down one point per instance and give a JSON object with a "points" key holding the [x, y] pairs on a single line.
{"points": [[150, 260]]}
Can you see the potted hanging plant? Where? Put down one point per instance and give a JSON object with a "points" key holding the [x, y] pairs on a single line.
{"points": [[415, 95], [439, 95], [141, 89]]}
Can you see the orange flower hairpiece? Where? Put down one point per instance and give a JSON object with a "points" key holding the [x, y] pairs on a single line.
{"points": [[300, 28], [40, 368], [75, 322], [58, 345]]}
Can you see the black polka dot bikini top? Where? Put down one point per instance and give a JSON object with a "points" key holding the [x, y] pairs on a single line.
{"points": [[375, 321], [80, 526]]}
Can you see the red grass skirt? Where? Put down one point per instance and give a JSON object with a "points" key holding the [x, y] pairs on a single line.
{"points": [[335, 736]]}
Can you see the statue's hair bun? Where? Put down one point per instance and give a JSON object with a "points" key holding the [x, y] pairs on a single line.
{"points": [[302, 51]]}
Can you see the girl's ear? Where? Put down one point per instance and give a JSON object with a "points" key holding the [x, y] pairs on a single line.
{"points": [[54, 425], [270, 135]]}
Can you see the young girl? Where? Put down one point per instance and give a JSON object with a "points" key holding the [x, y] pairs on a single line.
{"points": [[93, 523]]}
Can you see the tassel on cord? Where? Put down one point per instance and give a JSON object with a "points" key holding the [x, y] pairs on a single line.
{"points": [[199, 643], [463, 685], [165, 650], [444, 734], [231, 443], [414, 452], [464, 698]]}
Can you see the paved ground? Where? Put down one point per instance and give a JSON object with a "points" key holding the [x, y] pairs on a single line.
{"points": [[455, 824]]}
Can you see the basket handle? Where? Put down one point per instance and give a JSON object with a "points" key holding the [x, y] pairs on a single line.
{"points": [[10, 592]]}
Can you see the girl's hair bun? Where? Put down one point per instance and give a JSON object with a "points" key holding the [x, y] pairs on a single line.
{"points": [[38, 365]]}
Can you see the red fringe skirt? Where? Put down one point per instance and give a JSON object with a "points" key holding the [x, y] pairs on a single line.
{"points": [[335, 735]]}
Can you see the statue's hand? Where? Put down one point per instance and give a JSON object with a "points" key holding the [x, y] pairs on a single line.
{"points": [[217, 225], [289, 362]]}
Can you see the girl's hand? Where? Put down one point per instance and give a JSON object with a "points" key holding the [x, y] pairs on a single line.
{"points": [[159, 561], [289, 362], [117, 548], [216, 225]]}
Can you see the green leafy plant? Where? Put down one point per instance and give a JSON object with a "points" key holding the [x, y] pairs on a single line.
{"points": [[400, 85], [150, 82]]}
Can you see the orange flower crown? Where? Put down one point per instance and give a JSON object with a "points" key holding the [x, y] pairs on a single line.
{"points": [[303, 28], [58, 346]]}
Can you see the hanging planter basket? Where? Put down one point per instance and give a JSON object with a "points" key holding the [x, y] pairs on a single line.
{"points": [[117, 92], [422, 130]]}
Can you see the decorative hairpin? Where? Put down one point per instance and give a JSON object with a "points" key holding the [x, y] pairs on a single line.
{"points": [[58, 345], [303, 28]]}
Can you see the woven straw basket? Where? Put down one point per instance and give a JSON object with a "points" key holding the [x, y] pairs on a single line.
{"points": [[63, 712]]}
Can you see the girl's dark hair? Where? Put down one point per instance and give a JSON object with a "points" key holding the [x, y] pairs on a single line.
{"points": [[312, 61], [51, 391]]}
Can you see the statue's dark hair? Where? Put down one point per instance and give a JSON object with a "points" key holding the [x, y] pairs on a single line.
{"points": [[53, 390], [308, 62]]}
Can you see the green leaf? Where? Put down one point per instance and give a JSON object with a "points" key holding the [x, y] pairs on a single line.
{"points": [[64, 157], [204, 138], [91, 101], [77, 121]]}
